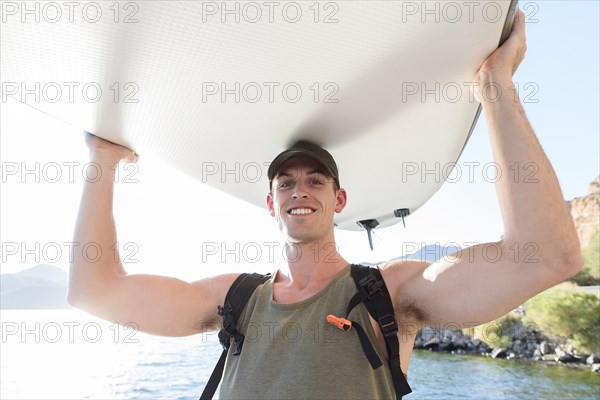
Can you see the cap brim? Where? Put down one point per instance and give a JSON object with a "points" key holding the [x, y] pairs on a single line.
{"points": [[285, 156]]}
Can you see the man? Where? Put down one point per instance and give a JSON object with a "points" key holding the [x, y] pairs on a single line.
{"points": [[303, 199]]}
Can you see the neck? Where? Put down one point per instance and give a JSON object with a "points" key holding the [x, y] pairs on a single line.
{"points": [[311, 263]]}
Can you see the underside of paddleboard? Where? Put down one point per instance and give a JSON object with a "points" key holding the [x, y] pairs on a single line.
{"points": [[217, 89]]}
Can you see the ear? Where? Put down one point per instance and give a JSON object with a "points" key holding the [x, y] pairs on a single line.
{"points": [[342, 198], [270, 204]]}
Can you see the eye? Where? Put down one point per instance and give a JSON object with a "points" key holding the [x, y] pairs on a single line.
{"points": [[285, 184]]}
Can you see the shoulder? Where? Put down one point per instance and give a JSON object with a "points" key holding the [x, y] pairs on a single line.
{"points": [[217, 284], [400, 273], [403, 278], [214, 289]]}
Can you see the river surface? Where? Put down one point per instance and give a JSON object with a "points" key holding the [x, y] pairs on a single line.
{"points": [[65, 354]]}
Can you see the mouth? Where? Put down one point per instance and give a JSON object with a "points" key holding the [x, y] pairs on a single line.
{"points": [[301, 211]]}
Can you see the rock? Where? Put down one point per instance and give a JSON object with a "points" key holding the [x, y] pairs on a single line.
{"points": [[484, 347], [532, 346], [519, 347], [445, 346], [432, 344], [499, 352], [595, 367], [546, 348], [453, 336], [594, 186], [531, 338], [579, 358], [443, 334], [510, 355], [540, 337], [585, 211], [593, 359], [517, 331], [476, 342], [428, 334], [563, 356]]}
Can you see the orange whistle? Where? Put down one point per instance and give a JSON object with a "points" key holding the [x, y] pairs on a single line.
{"points": [[341, 323]]}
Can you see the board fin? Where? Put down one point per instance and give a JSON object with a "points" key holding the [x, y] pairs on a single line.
{"points": [[368, 224], [401, 213]]}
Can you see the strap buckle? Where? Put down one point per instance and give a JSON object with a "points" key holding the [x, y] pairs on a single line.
{"points": [[371, 285], [224, 339], [229, 332], [388, 325]]}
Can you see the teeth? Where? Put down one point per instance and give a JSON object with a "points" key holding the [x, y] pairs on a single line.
{"points": [[296, 211]]}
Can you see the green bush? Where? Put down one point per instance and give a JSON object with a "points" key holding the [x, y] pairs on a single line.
{"points": [[563, 313], [585, 278], [495, 333], [590, 272]]}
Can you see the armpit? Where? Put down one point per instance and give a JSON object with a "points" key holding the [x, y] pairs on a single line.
{"points": [[408, 310]]}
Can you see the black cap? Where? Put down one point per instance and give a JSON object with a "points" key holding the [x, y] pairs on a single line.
{"points": [[306, 149]]}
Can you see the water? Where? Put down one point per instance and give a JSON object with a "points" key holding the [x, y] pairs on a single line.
{"points": [[68, 355], [443, 375]]}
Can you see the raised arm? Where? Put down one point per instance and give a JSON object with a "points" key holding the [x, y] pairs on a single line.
{"points": [[156, 304], [540, 247]]}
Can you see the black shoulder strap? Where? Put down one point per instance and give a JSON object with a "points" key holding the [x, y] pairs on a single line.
{"points": [[236, 299], [373, 292]]}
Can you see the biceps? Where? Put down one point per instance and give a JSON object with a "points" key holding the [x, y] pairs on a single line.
{"points": [[158, 305], [472, 288]]}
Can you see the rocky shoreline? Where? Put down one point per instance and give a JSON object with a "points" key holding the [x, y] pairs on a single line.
{"points": [[527, 344]]}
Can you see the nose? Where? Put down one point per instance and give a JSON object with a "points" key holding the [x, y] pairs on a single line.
{"points": [[300, 191]]}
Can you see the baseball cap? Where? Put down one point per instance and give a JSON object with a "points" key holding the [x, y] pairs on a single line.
{"points": [[306, 149]]}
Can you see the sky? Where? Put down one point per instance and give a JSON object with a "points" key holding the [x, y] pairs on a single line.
{"points": [[170, 224]]}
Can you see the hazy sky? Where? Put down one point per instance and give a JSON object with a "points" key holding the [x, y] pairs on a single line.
{"points": [[172, 225]]}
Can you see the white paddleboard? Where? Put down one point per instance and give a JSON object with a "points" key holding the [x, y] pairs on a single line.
{"points": [[217, 89]]}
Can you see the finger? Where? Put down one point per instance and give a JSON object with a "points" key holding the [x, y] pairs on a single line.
{"points": [[518, 28]]}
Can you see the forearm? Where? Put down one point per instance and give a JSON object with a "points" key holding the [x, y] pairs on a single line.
{"points": [[532, 205], [96, 260]]}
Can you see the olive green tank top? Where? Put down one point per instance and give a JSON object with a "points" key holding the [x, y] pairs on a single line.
{"points": [[291, 352]]}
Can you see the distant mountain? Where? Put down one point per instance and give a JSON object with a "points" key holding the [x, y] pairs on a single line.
{"points": [[429, 252], [40, 287], [45, 272]]}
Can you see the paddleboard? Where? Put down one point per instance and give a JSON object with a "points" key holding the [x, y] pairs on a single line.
{"points": [[217, 89]]}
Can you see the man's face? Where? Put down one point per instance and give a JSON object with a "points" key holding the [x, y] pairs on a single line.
{"points": [[303, 200]]}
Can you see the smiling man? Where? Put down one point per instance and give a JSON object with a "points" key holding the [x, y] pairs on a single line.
{"points": [[304, 167], [291, 352]]}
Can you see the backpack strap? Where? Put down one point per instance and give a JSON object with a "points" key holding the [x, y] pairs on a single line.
{"points": [[237, 297], [373, 292]]}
